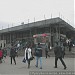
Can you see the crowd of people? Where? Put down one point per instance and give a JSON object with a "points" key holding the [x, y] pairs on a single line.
{"points": [[59, 52]]}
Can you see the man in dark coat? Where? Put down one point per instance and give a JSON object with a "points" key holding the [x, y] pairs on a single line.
{"points": [[13, 55], [58, 55]]}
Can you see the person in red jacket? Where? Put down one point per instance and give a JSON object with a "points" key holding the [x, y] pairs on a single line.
{"points": [[1, 55]]}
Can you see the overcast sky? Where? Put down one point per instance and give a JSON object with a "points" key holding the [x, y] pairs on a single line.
{"points": [[14, 12]]}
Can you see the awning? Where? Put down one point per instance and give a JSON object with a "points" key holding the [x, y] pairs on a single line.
{"points": [[44, 35]]}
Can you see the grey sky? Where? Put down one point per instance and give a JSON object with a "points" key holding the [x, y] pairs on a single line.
{"points": [[13, 12]]}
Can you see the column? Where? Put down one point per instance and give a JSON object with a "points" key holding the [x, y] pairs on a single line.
{"points": [[50, 37]]}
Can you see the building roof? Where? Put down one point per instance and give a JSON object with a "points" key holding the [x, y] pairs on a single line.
{"points": [[43, 23]]}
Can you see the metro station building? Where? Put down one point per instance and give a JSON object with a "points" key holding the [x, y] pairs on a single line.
{"points": [[49, 30]]}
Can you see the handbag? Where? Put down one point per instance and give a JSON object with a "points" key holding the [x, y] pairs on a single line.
{"points": [[24, 61], [31, 58]]}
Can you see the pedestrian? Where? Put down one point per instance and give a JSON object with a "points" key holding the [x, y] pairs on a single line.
{"points": [[49, 46], [4, 52], [38, 54], [58, 55], [18, 46], [13, 54], [46, 51], [1, 55], [28, 55], [70, 46], [16, 52], [63, 50]]}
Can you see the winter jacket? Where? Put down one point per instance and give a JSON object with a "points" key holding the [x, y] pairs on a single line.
{"points": [[38, 51], [12, 52], [29, 53], [58, 51]]}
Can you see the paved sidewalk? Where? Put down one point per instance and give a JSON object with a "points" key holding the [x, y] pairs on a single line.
{"points": [[48, 66]]}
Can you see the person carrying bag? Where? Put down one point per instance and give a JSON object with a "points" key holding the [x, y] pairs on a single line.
{"points": [[28, 55]]}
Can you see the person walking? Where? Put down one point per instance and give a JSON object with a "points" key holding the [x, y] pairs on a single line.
{"points": [[63, 50], [38, 54], [1, 55], [49, 46], [13, 54], [46, 51], [4, 52], [58, 55], [70, 46], [28, 55]]}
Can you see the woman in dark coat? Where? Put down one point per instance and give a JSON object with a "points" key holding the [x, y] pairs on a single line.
{"points": [[13, 54]]}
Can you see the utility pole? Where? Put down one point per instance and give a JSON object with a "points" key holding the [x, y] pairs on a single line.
{"points": [[45, 19]]}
